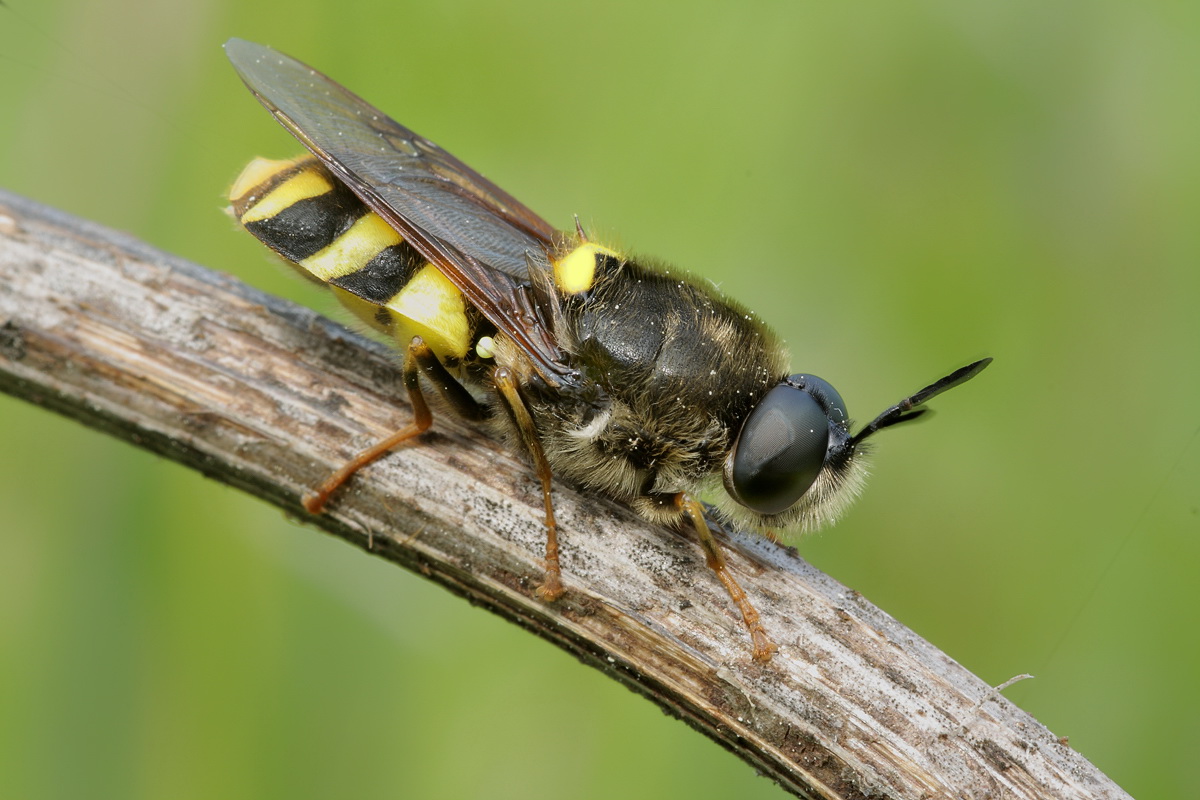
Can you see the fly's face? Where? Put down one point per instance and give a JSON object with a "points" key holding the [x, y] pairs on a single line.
{"points": [[795, 462]]}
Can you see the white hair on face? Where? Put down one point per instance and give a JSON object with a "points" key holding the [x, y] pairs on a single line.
{"points": [[831, 494]]}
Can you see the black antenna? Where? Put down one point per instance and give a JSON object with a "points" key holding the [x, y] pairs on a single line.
{"points": [[907, 410]]}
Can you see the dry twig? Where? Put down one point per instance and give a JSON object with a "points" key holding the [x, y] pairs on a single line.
{"points": [[268, 397]]}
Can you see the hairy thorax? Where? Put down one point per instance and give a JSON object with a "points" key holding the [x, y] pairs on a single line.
{"points": [[667, 378]]}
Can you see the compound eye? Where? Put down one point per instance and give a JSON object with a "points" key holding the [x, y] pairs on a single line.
{"points": [[781, 449], [835, 405]]}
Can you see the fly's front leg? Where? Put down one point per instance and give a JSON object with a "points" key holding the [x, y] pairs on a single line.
{"points": [[419, 360], [506, 384], [762, 644]]}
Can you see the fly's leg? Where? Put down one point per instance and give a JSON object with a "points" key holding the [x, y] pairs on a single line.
{"points": [[762, 644], [419, 360], [506, 384]]}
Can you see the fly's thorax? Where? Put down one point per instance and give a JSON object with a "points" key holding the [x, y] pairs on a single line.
{"points": [[668, 369], [654, 336], [324, 231]]}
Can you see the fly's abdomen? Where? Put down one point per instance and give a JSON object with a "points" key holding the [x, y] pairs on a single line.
{"points": [[299, 210]]}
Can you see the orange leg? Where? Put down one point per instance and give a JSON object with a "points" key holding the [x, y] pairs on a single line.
{"points": [[763, 646], [420, 359], [552, 588]]}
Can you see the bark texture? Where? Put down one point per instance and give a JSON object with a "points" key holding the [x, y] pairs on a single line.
{"points": [[263, 395]]}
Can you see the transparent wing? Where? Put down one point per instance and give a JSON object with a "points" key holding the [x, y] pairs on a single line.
{"points": [[478, 235]]}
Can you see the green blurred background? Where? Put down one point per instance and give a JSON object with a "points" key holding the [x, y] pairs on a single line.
{"points": [[898, 188]]}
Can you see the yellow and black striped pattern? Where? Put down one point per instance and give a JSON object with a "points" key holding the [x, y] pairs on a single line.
{"points": [[321, 228]]}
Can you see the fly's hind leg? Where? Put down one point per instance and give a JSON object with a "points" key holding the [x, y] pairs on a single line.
{"points": [[419, 360], [762, 644], [506, 384]]}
